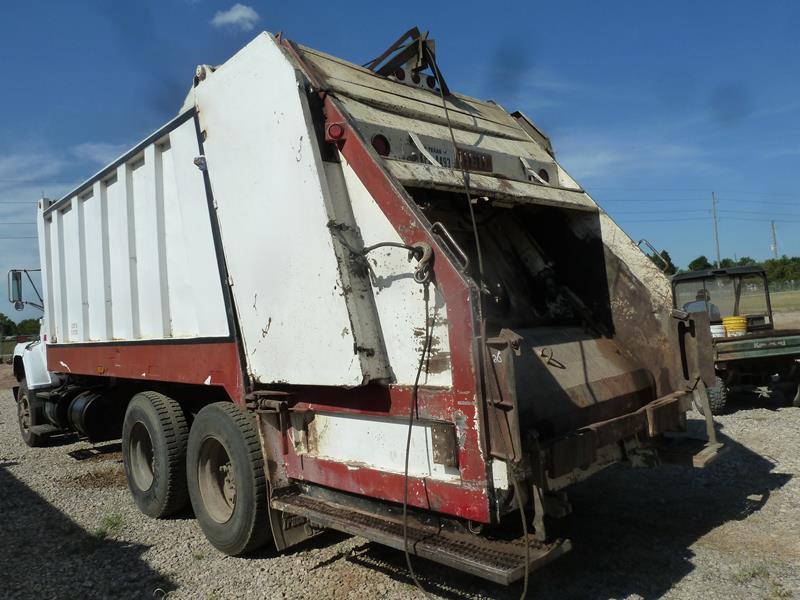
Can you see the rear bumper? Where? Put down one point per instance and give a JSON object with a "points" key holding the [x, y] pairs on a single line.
{"points": [[583, 448]]}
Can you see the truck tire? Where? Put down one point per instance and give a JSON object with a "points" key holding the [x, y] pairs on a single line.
{"points": [[154, 438], [24, 414], [717, 398], [227, 485]]}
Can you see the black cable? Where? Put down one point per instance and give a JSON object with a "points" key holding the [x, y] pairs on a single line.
{"points": [[438, 74], [464, 176], [414, 394]]}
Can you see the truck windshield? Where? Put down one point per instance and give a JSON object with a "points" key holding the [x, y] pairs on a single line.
{"points": [[725, 296]]}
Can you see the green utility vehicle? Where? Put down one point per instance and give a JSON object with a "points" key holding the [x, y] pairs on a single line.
{"points": [[763, 360]]}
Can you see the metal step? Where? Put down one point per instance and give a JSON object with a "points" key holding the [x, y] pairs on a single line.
{"points": [[45, 429], [500, 561], [690, 452]]}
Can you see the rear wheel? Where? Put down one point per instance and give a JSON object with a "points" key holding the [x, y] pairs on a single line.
{"points": [[717, 398], [154, 437], [227, 486], [24, 416]]}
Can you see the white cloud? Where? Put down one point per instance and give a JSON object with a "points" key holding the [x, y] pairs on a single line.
{"points": [[23, 167], [98, 152], [238, 16]]}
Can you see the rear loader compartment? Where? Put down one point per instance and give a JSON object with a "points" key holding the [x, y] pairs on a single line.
{"points": [[427, 326]]}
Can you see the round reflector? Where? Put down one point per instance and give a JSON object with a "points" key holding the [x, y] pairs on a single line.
{"points": [[335, 131]]}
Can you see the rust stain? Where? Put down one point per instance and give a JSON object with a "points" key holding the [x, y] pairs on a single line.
{"points": [[438, 362]]}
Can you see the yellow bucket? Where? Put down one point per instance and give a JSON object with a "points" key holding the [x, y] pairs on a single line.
{"points": [[735, 325]]}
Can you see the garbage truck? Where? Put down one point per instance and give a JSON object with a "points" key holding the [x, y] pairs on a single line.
{"points": [[331, 296]]}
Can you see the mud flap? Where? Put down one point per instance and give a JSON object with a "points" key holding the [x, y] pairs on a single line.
{"points": [[287, 529]]}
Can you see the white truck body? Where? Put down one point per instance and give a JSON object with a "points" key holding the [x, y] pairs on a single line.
{"points": [[131, 256]]}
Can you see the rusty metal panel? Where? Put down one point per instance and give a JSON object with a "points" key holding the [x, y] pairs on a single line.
{"points": [[503, 416], [692, 349], [422, 175], [443, 441]]}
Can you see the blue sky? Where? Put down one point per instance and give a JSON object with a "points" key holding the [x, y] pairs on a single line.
{"points": [[650, 106]]}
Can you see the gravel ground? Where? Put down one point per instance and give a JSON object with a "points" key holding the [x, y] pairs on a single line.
{"points": [[68, 529]]}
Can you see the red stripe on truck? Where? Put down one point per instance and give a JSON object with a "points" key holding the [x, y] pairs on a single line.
{"points": [[204, 363]]}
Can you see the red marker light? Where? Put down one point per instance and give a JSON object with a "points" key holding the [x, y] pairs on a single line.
{"points": [[381, 145], [335, 131], [415, 77], [544, 175], [400, 75]]}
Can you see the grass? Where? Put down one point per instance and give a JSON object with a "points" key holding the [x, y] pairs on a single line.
{"points": [[749, 573], [777, 591], [785, 301], [109, 525]]}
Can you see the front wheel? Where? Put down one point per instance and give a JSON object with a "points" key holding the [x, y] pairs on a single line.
{"points": [[225, 472], [24, 417]]}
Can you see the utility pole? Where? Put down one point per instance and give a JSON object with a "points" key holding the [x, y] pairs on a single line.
{"points": [[774, 241], [716, 230]]}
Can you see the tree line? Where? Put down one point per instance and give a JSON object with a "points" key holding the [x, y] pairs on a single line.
{"points": [[785, 268], [24, 327]]}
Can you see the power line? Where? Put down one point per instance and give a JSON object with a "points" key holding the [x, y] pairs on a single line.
{"points": [[660, 211], [693, 200], [751, 220], [761, 212], [651, 221], [699, 191]]}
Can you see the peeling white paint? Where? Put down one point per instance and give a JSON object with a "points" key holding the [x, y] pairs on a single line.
{"points": [[377, 443], [207, 380]]}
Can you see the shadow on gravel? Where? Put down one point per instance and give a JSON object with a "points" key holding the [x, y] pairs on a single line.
{"points": [[110, 451], [43, 554], [631, 530]]}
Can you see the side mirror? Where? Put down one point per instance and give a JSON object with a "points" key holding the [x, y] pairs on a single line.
{"points": [[15, 289]]}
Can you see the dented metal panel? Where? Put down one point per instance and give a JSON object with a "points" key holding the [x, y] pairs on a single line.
{"points": [[435, 177], [269, 188], [398, 298]]}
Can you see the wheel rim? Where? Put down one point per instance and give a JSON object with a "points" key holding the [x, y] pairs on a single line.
{"points": [[216, 480], [24, 413], [140, 450]]}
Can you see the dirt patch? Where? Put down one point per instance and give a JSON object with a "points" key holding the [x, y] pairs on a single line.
{"points": [[101, 479], [7, 379]]}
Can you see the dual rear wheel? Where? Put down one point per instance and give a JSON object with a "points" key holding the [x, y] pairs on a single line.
{"points": [[216, 464]]}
